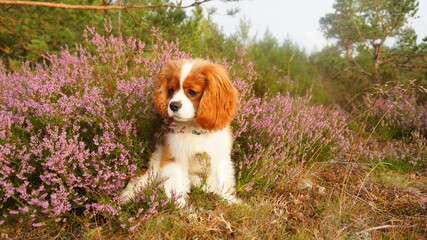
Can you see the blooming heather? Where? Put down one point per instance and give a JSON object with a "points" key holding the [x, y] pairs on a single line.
{"points": [[75, 128], [395, 112]]}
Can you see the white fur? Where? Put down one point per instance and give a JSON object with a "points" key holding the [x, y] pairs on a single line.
{"points": [[186, 170], [187, 111], [185, 71]]}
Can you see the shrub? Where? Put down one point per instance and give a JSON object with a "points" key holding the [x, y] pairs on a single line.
{"points": [[277, 134], [397, 154], [393, 111], [395, 114], [74, 128]]}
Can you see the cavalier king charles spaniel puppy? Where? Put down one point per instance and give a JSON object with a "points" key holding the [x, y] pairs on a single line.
{"points": [[199, 98]]}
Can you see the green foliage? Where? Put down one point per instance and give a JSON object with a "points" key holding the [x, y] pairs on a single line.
{"points": [[362, 28], [27, 32]]}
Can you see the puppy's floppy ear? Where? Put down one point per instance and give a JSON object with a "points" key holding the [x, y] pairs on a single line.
{"points": [[161, 94], [218, 104]]}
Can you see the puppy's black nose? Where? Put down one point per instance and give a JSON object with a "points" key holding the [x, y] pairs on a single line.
{"points": [[175, 106]]}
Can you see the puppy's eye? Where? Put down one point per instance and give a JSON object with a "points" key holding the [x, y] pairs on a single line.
{"points": [[191, 92], [171, 91]]}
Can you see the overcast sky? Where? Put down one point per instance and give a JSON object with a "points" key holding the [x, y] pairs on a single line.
{"points": [[297, 19]]}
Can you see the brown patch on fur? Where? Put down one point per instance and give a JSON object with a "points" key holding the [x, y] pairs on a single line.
{"points": [[218, 104], [166, 155], [195, 81]]}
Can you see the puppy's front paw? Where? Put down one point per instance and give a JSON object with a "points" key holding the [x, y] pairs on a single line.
{"points": [[126, 196], [180, 202], [134, 186]]}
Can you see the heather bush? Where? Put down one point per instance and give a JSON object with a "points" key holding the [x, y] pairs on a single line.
{"points": [[395, 119], [275, 135], [404, 155], [394, 112], [76, 128]]}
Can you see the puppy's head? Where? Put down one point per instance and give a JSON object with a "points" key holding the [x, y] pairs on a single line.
{"points": [[198, 91]]}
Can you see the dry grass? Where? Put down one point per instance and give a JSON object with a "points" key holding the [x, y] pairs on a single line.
{"points": [[333, 200]]}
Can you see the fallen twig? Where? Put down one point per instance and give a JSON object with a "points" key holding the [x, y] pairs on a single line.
{"points": [[386, 226]]}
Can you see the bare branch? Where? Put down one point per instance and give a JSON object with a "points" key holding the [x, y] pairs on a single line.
{"points": [[386, 61], [410, 66], [386, 226], [359, 68], [91, 7], [134, 19], [380, 19], [348, 51], [348, 45]]}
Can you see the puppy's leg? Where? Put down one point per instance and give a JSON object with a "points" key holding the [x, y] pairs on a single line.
{"points": [[177, 181], [134, 186], [164, 166], [221, 178]]}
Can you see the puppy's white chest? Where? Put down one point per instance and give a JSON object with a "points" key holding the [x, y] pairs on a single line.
{"points": [[185, 145]]}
